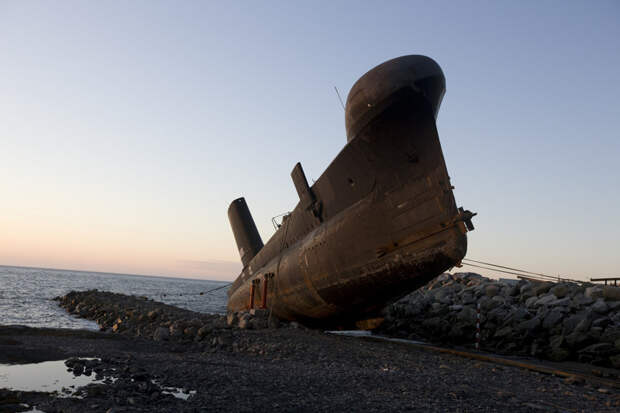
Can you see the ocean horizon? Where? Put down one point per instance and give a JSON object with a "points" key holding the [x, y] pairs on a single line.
{"points": [[27, 293]]}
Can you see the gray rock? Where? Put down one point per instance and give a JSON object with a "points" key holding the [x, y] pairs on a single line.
{"points": [[224, 340], [259, 312], [512, 291], [529, 303], [491, 290], [467, 315], [436, 307], [455, 307], [258, 323], [580, 300], [600, 306], [467, 298], [577, 340], [456, 331], [556, 341], [558, 354], [594, 292], [176, 329], [615, 361], [526, 291], [244, 321], [487, 304], [561, 302], [611, 334], [552, 319], [498, 315], [503, 332], [190, 331], [570, 323], [546, 299], [595, 333], [500, 299], [583, 326], [599, 349], [444, 297], [601, 322], [161, 334], [436, 324], [273, 322], [232, 319], [204, 330], [517, 315], [529, 325], [559, 290], [541, 287]]}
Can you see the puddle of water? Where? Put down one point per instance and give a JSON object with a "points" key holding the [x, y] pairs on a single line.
{"points": [[54, 377], [364, 333], [48, 376], [352, 333], [177, 392]]}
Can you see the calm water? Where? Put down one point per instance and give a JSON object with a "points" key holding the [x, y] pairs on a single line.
{"points": [[26, 294]]}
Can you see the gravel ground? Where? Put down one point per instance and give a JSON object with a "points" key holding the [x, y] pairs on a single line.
{"points": [[285, 370]]}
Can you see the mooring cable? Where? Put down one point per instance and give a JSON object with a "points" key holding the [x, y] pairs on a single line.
{"points": [[510, 268]]}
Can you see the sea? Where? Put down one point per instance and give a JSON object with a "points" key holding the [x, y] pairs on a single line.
{"points": [[26, 294]]}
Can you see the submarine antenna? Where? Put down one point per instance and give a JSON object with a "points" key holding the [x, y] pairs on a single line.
{"points": [[339, 98]]}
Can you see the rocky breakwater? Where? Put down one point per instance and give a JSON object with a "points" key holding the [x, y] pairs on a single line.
{"points": [[142, 317], [557, 321]]}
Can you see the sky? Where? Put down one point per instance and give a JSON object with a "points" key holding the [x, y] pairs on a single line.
{"points": [[127, 128]]}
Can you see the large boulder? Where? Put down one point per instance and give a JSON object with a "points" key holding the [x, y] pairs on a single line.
{"points": [[600, 306], [552, 319], [545, 300], [529, 325], [594, 292], [161, 334], [541, 287], [560, 290]]}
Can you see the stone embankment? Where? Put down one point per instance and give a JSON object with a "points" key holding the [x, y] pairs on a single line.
{"points": [[557, 321], [142, 317]]}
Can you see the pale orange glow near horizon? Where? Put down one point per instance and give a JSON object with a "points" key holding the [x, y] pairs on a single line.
{"points": [[53, 243]]}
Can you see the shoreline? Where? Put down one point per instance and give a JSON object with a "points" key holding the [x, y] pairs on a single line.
{"points": [[290, 368]]}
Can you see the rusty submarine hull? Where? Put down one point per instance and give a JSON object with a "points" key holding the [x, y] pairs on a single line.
{"points": [[380, 222]]}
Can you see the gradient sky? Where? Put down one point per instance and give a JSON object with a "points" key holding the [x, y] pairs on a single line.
{"points": [[126, 128]]}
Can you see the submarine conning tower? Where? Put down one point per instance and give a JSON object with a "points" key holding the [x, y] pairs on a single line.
{"points": [[244, 229], [381, 86]]}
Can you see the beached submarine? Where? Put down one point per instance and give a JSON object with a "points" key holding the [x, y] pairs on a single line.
{"points": [[380, 222]]}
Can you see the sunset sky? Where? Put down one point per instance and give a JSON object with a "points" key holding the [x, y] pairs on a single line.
{"points": [[127, 128]]}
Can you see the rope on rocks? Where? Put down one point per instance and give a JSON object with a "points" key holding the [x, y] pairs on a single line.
{"points": [[515, 271], [199, 293], [509, 268]]}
